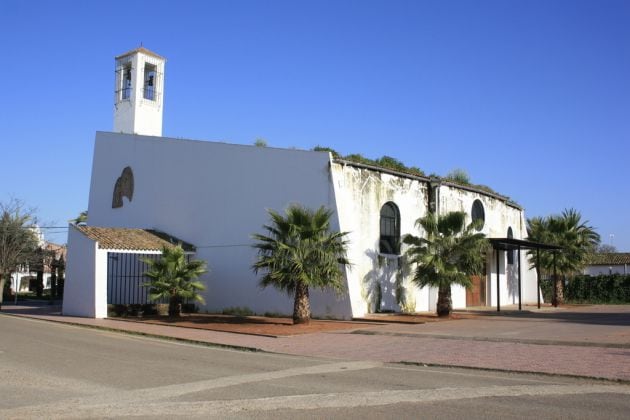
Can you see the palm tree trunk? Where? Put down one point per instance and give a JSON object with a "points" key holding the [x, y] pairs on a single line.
{"points": [[444, 303], [174, 306], [558, 295], [301, 305]]}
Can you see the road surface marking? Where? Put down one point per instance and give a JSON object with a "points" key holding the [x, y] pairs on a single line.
{"points": [[74, 409]]}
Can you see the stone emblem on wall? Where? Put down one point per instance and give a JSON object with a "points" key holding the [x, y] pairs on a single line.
{"points": [[123, 188]]}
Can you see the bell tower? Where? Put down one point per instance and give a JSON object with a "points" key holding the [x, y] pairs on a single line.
{"points": [[139, 93]]}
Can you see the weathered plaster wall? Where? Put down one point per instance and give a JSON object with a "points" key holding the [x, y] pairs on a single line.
{"points": [[360, 194], [215, 196]]}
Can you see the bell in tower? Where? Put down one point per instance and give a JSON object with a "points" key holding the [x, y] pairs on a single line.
{"points": [[138, 100]]}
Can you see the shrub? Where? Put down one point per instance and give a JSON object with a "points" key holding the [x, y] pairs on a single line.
{"points": [[271, 314], [546, 289], [131, 310], [613, 288], [459, 176], [139, 310], [238, 311], [326, 149], [391, 163], [358, 158]]}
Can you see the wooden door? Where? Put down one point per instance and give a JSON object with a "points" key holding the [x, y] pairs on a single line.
{"points": [[476, 295]]}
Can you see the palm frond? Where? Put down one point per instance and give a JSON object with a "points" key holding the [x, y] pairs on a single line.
{"points": [[449, 253], [171, 276]]}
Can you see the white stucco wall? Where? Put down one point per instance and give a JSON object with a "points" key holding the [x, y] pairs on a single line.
{"points": [[499, 216], [360, 195], [137, 114], [85, 289], [215, 196], [23, 279], [596, 270]]}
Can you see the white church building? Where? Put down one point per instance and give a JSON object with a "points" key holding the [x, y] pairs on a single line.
{"points": [[147, 191]]}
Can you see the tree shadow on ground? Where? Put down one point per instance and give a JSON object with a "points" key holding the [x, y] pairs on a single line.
{"points": [[617, 315]]}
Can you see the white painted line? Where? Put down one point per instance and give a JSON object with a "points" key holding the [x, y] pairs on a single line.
{"points": [[139, 397], [115, 408]]}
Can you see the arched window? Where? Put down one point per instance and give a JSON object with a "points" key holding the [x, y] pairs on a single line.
{"points": [[390, 229], [478, 214], [510, 254]]}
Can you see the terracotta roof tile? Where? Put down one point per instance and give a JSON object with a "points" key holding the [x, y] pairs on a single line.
{"points": [[611, 258], [132, 239]]}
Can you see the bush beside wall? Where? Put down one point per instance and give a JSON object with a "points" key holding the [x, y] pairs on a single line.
{"points": [[613, 288], [137, 310]]}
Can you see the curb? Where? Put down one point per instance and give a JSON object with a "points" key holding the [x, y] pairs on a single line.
{"points": [[143, 334], [526, 372], [497, 339]]}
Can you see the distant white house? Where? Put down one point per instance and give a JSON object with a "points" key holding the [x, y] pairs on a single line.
{"points": [[608, 263], [215, 195], [25, 279]]}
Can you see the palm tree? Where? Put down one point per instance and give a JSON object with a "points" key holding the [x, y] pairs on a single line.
{"points": [[298, 252], [576, 238], [172, 277], [450, 254]]}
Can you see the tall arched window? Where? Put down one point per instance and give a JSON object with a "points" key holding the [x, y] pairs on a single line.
{"points": [[478, 214], [510, 254], [390, 229]]}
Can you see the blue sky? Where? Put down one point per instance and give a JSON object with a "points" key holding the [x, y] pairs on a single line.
{"points": [[529, 97]]}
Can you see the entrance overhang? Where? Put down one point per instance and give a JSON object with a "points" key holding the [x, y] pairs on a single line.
{"points": [[511, 244]]}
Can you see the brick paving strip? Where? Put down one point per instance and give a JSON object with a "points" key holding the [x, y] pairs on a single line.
{"points": [[498, 340], [605, 361]]}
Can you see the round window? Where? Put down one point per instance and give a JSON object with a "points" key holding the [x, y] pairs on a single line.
{"points": [[478, 214]]}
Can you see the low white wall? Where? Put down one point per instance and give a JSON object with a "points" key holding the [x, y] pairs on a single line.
{"points": [[100, 283], [80, 287], [596, 270]]}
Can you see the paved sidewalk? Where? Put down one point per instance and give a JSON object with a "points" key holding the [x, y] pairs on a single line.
{"points": [[590, 341]]}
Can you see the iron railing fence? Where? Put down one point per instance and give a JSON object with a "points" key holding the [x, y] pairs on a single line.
{"points": [[125, 278]]}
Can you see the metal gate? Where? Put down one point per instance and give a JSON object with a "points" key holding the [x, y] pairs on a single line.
{"points": [[125, 278]]}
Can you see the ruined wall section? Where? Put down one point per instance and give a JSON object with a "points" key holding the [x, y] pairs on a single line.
{"points": [[360, 194]]}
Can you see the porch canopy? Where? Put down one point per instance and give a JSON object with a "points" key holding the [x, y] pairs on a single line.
{"points": [[511, 244]]}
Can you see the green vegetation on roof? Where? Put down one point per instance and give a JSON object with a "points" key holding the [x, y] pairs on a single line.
{"points": [[386, 162], [456, 176]]}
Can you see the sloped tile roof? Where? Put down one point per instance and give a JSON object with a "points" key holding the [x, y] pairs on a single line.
{"points": [[611, 258], [132, 239]]}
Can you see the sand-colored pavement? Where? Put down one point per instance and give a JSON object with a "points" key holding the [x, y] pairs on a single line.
{"points": [[590, 341]]}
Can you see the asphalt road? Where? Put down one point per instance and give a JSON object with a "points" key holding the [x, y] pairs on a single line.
{"points": [[49, 370]]}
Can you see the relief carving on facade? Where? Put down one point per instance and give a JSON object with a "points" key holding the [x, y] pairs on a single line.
{"points": [[123, 188]]}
